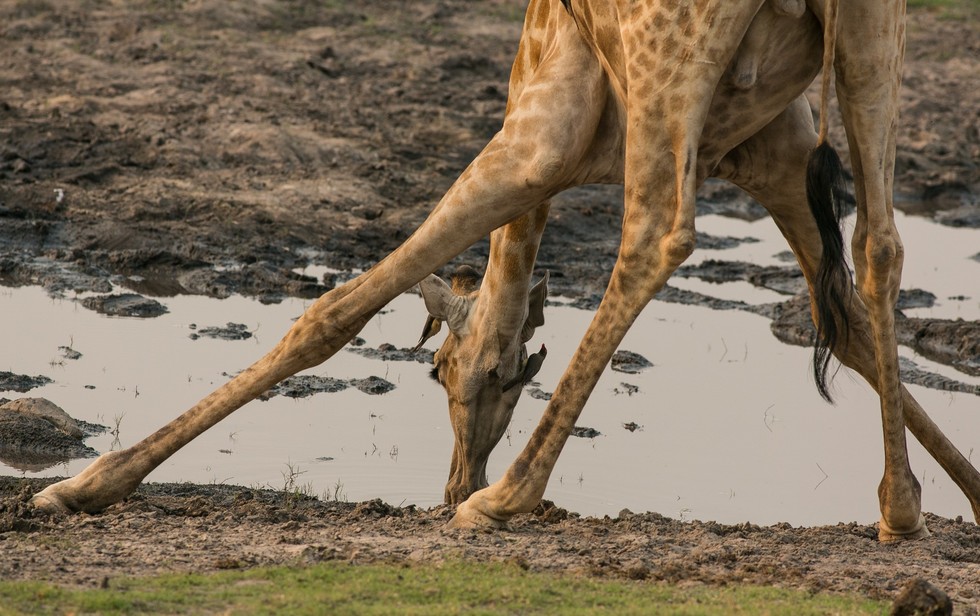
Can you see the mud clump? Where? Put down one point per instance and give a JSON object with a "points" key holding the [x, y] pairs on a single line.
{"points": [[954, 343], [125, 305], [35, 434], [920, 598], [629, 362], [585, 432], [389, 352], [305, 385], [231, 331], [373, 385], [21, 383], [785, 280]]}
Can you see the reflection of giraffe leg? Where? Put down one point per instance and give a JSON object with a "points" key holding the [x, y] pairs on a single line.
{"points": [[540, 150], [663, 129], [771, 167]]}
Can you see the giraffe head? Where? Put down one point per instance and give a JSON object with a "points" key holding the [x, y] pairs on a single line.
{"points": [[479, 365]]}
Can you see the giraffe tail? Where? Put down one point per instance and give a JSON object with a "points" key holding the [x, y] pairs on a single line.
{"points": [[825, 191]]}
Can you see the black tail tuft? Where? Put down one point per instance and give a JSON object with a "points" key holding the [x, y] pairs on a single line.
{"points": [[824, 193]]}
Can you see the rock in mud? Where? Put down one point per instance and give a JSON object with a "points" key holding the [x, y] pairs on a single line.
{"points": [[21, 383], [304, 386], [48, 411], [626, 388], [966, 216], [920, 598], [911, 373], [539, 394], [69, 353], [721, 242], [785, 280], [373, 385], [954, 343], [630, 362], [585, 432], [389, 352], [693, 298], [268, 282], [231, 331], [35, 434], [915, 298], [125, 305]]}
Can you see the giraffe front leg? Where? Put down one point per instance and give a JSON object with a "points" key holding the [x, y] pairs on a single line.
{"points": [[663, 126], [531, 158], [646, 260]]}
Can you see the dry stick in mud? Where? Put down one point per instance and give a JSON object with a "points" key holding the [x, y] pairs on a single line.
{"points": [[645, 99]]}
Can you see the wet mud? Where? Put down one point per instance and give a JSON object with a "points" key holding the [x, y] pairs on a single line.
{"points": [[246, 528], [36, 434]]}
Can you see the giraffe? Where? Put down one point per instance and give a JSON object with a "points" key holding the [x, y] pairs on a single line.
{"points": [[488, 330], [633, 92]]}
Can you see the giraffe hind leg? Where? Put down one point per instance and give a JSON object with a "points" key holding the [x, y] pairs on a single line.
{"points": [[870, 52], [771, 167]]}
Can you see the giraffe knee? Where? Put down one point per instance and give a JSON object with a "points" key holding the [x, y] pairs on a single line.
{"points": [[883, 263], [545, 170], [885, 253], [678, 246]]}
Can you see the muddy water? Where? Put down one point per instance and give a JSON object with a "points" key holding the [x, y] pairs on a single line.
{"points": [[727, 425]]}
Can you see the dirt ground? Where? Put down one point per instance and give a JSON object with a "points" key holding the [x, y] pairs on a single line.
{"points": [[192, 528], [210, 147]]}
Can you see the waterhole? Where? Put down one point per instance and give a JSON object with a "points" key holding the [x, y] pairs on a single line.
{"points": [[725, 425]]}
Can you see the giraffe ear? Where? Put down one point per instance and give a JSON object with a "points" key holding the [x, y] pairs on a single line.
{"points": [[535, 308], [443, 304]]}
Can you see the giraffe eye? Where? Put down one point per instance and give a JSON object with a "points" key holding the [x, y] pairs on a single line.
{"points": [[434, 374]]}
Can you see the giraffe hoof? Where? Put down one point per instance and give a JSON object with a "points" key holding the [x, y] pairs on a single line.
{"points": [[887, 534], [468, 517], [49, 503]]}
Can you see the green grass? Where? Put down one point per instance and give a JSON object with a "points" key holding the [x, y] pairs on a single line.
{"points": [[452, 588], [943, 3], [949, 9]]}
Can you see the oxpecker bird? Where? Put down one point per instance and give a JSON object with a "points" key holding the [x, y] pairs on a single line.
{"points": [[531, 367]]}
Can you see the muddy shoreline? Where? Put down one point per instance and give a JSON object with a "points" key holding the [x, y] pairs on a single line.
{"points": [[184, 527]]}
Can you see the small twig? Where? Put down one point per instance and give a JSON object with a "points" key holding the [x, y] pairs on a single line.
{"points": [[825, 477]]}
